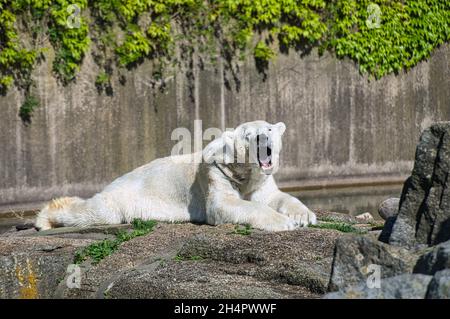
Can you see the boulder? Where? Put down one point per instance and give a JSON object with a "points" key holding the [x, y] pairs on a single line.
{"points": [[389, 208], [424, 211], [435, 259], [439, 287], [387, 229], [406, 286], [32, 268], [356, 257]]}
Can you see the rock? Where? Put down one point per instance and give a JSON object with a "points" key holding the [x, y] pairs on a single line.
{"points": [[24, 226], [389, 208], [214, 262], [424, 211], [406, 286], [32, 268], [423, 220], [217, 264], [436, 259], [14, 232], [387, 230], [198, 279], [175, 261], [84, 232], [439, 287], [335, 217], [364, 217], [298, 262], [355, 257]]}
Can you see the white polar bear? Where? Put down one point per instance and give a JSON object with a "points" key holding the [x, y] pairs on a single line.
{"points": [[233, 184]]}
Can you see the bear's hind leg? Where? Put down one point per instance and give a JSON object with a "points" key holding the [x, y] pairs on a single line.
{"points": [[67, 211]]}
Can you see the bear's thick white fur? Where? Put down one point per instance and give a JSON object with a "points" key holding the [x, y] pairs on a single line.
{"points": [[216, 191]]}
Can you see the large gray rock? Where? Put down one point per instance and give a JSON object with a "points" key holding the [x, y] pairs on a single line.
{"points": [[181, 261], [424, 213], [389, 208], [355, 257], [173, 261], [199, 279], [406, 286], [32, 268], [436, 259], [439, 287]]}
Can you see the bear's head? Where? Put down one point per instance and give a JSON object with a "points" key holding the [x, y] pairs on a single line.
{"points": [[256, 144]]}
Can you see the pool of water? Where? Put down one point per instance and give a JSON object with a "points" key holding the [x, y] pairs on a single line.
{"points": [[12, 217], [6, 223], [348, 200]]}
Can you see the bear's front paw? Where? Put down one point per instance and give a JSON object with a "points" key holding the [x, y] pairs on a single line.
{"points": [[303, 216], [276, 222]]}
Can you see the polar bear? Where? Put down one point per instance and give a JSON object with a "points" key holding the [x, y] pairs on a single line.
{"points": [[232, 184]]}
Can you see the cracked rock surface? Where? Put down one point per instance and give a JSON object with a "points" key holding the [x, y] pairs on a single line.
{"points": [[173, 261]]}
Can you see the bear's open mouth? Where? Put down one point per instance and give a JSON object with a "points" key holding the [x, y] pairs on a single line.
{"points": [[264, 151]]}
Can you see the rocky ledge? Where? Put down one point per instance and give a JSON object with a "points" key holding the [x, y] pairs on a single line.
{"points": [[173, 261]]}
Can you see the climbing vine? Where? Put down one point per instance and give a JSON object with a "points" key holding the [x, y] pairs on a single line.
{"points": [[406, 32], [381, 36]]}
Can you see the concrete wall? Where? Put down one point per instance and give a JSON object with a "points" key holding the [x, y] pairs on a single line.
{"points": [[340, 126]]}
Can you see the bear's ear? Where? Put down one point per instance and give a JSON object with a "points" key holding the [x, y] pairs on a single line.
{"points": [[281, 127]]}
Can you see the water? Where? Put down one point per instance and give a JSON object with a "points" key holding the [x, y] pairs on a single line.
{"points": [[13, 218], [7, 222], [348, 200]]}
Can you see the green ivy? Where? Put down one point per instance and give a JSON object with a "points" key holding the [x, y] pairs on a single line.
{"points": [[27, 108], [135, 47], [406, 34], [102, 78], [381, 36], [69, 36], [263, 52], [16, 62]]}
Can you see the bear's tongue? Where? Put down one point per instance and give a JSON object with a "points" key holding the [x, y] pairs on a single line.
{"points": [[266, 165], [264, 159]]}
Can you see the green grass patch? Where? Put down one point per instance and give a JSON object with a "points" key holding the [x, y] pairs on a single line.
{"points": [[98, 251], [196, 258], [244, 230], [342, 227], [178, 258]]}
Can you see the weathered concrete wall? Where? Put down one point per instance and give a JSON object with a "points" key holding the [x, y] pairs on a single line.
{"points": [[339, 124]]}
